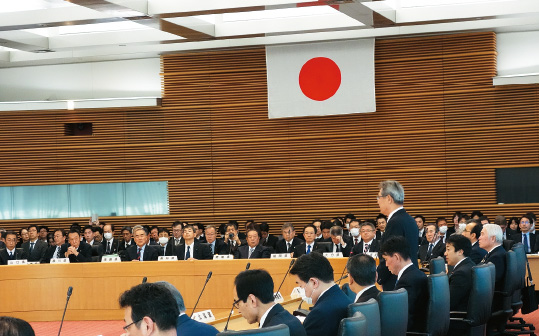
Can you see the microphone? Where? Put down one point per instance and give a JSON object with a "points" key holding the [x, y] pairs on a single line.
{"points": [[69, 292], [284, 278], [144, 279], [202, 291], [342, 278], [342, 275], [299, 311], [228, 319], [247, 266]]}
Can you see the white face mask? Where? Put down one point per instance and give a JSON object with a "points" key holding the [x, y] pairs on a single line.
{"points": [[304, 297], [462, 227], [443, 229], [354, 232], [163, 240], [347, 226], [108, 235]]}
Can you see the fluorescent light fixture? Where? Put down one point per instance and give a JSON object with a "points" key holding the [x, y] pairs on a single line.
{"points": [[532, 78], [80, 104]]}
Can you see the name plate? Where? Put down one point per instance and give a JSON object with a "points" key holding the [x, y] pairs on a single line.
{"points": [[223, 256], [372, 254], [333, 254], [280, 256], [277, 297], [167, 258], [296, 293], [204, 316], [111, 259], [34, 263], [60, 261], [17, 262]]}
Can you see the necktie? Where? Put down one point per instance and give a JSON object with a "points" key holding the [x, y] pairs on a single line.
{"points": [[485, 258], [188, 254], [57, 252], [338, 249], [251, 250], [138, 253], [526, 245], [308, 249], [366, 249], [429, 251], [108, 247], [162, 250], [212, 246], [31, 247], [176, 242], [288, 247], [355, 241], [11, 256]]}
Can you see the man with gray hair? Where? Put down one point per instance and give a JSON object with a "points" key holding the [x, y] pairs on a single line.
{"points": [[186, 326], [399, 223], [491, 240]]}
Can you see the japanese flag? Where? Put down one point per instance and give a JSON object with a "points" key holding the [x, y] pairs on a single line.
{"points": [[317, 79]]}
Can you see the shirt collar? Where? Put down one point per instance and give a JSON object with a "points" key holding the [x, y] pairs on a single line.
{"points": [[363, 291], [393, 212], [459, 262], [263, 318], [403, 269]]}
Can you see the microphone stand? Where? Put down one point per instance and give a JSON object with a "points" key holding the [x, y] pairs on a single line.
{"points": [[284, 278], [69, 292], [228, 319], [202, 291]]}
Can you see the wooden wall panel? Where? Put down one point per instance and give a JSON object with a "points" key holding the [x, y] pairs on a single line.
{"points": [[440, 128]]}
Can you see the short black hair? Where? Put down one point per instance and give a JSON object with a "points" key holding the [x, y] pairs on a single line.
{"points": [[97, 229], [309, 226], [476, 213], [74, 231], [381, 216], [61, 231], [163, 230], [152, 300], [482, 218], [255, 229], [31, 226], [12, 326], [460, 242], [88, 227], [478, 227], [111, 226], [419, 216], [154, 227], [326, 225], [4, 234], [257, 282], [264, 227], [75, 226], [396, 244], [439, 219], [44, 227], [436, 229], [176, 223], [362, 269], [313, 265], [231, 224], [200, 226], [127, 228]]}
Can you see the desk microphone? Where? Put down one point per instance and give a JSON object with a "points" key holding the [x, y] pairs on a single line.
{"points": [[342, 275], [202, 291], [299, 311], [284, 278], [228, 319], [144, 279], [342, 278], [69, 292], [247, 266]]}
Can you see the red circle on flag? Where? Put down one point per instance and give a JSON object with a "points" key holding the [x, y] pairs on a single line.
{"points": [[319, 78]]}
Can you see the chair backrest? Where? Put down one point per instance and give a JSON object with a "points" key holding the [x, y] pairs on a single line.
{"points": [[438, 309], [437, 265], [346, 290], [521, 263], [371, 311], [511, 279], [278, 330], [353, 326], [480, 301], [393, 320], [95, 250]]}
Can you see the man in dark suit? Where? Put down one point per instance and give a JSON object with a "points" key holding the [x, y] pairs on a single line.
{"points": [[381, 225], [165, 248], [268, 240], [141, 250], [252, 250], [460, 279], [434, 248], [472, 232], [232, 237], [217, 246], [314, 274], [362, 277], [289, 241], [109, 245], [491, 240], [76, 250], [395, 251], [127, 240], [526, 237], [338, 243], [368, 243], [400, 223], [199, 232], [309, 233], [253, 298], [192, 249], [177, 232], [10, 252], [34, 249], [420, 220], [53, 252], [89, 235]]}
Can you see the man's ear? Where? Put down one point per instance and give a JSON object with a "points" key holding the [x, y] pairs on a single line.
{"points": [[147, 326]]}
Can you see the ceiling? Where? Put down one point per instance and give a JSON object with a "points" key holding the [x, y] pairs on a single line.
{"points": [[34, 32]]}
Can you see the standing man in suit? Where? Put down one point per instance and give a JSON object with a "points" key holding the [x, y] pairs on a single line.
{"points": [[110, 245], [252, 250], [192, 249], [76, 250], [434, 248], [362, 277], [141, 250], [309, 233], [472, 232], [53, 252], [253, 298], [338, 243], [395, 252], [314, 274], [399, 223], [458, 248], [289, 241], [217, 246], [268, 240], [367, 243], [526, 237], [10, 252], [34, 249]]}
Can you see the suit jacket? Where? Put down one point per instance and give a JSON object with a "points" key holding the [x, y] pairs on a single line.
{"points": [[371, 293], [114, 248], [327, 313], [359, 248], [38, 253], [199, 252], [477, 253], [185, 326], [167, 251], [497, 257], [301, 249], [532, 241], [460, 284], [172, 242], [379, 235], [85, 253], [201, 239], [219, 247], [4, 256], [400, 224], [344, 250], [121, 246], [278, 315], [260, 252], [51, 250], [438, 250], [270, 242], [280, 246], [415, 283], [150, 253]]}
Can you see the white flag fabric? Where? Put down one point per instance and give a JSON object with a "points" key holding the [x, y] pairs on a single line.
{"points": [[317, 79]]}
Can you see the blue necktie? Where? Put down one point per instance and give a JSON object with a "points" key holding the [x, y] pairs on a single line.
{"points": [[429, 252], [526, 245], [188, 254], [11, 256], [31, 247], [308, 249]]}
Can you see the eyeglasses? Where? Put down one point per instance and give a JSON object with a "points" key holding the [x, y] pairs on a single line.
{"points": [[380, 196], [130, 324], [524, 222], [236, 304]]}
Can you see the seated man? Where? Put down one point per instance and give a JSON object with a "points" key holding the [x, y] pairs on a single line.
{"points": [[110, 245], [34, 249], [434, 247], [368, 243], [252, 250], [395, 252], [362, 277], [165, 248], [526, 235], [253, 297], [149, 310], [177, 233], [217, 246], [472, 232], [458, 249], [140, 251], [10, 252], [232, 238], [314, 274], [76, 250], [309, 233], [127, 240], [268, 240], [192, 249], [338, 243], [491, 240], [53, 252], [289, 241]]}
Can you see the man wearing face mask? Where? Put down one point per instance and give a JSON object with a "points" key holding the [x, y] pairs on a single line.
{"points": [[368, 243], [109, 245], [354, 232], [314, 274], [165, 249], [444, 231]]}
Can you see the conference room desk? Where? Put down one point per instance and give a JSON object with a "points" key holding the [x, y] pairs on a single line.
{"points": [[533, 259], [38, 292]]}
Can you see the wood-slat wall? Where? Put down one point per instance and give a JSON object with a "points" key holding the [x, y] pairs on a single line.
{"points": [[440, 128]]}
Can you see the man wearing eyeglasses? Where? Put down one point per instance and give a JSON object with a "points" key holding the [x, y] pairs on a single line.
{"points": [[289, 241], [526, 237], [149, 310]]}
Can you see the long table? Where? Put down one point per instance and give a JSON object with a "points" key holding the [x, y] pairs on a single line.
{"points": [[38, 292]]}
